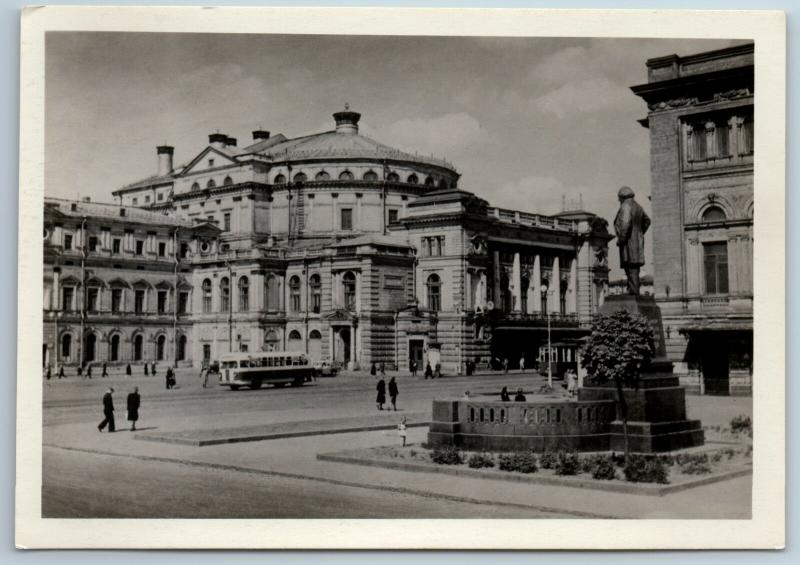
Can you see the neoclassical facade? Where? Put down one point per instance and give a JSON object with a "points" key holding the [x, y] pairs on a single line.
{"points": [[358, 253], [701, 145]]}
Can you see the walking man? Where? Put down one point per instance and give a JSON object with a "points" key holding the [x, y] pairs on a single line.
{"points": [[401, 430], [413, 368], [505, 364], [89, 371], [145, 369], [105, 370], [133, 407], [428, 371], [393, 393], [153, 368], [128, 370], [108, 411], [61, 372], [381, 398], [522, 363]]}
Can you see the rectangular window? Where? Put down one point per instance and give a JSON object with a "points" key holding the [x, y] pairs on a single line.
{"points": [[116, 299], [206, 352], [146, 199], [138, 302], [162, 249], [68, 298], [716, 267], [67, 241], [116, 245], [161, 196], [721, 131], [184, 250], [183, 302], [347, 219], [393, 215], [227, 221], [699, 143], [93, 243], [162, 301], [92, 296], [135, 201], [139, 247], [747, 136], [243, 347]]}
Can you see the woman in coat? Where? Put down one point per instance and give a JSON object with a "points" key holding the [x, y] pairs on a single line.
{"points": [[133, 407], [504, 396], [381, 399], [393, 393]]}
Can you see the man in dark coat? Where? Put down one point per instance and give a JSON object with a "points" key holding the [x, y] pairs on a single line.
{"points": [[128, 370], [145, 369], [520, 397], [630, 224], [381, 399], [61, 372], [393, 391], [428, 371], [105, 370], [89, 371], [153, 368], [133, 407], [108, 411]]}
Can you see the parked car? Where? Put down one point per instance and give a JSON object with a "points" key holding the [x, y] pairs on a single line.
{"points": [[326, 369]]}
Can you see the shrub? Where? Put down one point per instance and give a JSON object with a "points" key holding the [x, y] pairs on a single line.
{"points": [[588, 463], [696, 468], [446, 455], [481, 460], [523, 462], [547, 460], [642, 469], [716, 457], [741, 424], [685, 459], [567, 463], [618, 459], [604, 469]]}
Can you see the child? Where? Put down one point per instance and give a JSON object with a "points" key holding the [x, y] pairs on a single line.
{"points": [[401, 430]]}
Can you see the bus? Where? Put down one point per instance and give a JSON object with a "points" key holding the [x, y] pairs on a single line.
{"points": [[252, 370], [564, 355]]}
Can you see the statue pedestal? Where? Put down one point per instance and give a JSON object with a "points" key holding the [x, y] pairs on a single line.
{"points": [[657, 409]]}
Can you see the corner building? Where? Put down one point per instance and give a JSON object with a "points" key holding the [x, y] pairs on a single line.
{"points": [[701, 159], [356, 252]]}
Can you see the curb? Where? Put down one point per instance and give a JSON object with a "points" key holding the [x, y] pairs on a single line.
{"points": [[605, 486], [397, 490]]}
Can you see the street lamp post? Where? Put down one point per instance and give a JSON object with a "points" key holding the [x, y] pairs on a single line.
{"points": [[546, 293]]}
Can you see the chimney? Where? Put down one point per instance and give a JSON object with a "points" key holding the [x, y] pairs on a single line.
{"points": [[231, 141], [218, 140], [347, 121], [260, 134], [164, 159]]}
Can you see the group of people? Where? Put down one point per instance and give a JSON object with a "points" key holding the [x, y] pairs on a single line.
{"points": [[86, 371], [393, 392], [133, 402], [506, 397], [497, 364]]}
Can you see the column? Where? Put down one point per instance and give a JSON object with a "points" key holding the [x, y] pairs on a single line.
{"points": [[358, 292], [55, 296], [496, 278], [468, 274], [334, 227], [554, 292], [572, 304], [352, 346], [535, 288], [516, 282], [733, 265]]}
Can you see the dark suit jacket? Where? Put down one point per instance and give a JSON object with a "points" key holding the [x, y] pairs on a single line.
{"points": [[108, 402]]}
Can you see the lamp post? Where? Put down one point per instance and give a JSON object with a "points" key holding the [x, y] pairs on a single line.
{"points": [[545, 293]]}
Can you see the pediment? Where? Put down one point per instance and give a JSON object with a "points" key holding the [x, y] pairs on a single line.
{"points": [[200, 163]]}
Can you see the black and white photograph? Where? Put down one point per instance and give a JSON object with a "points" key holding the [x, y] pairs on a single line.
{"points": [[300, 274]]}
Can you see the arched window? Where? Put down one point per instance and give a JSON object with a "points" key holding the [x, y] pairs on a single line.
{"points": [[244, 294], [113, 353], [349, 284], [211, 183], [300, 177], [434, 284], [224, 294], [294, 334], [294, 294], [66, 346], [227, 182], [322, 175], [195, 186], [371, 175], [161, 347], [346, 175], [270, 340], [429, 181], [316, 293], [314, 334], [393, 177], [295, 341], [714, 214], [413, 179], [138, 347], [206, 296], [279, 179], [90, 347], [181, 348]]}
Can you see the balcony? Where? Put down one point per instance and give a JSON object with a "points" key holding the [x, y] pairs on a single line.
{"points": [[534, 319]]}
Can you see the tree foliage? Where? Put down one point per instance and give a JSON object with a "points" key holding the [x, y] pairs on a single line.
{"points": [[619, 345]]}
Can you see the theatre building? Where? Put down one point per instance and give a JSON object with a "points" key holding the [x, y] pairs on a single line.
{"points": [[357, 253], [701, 145]]}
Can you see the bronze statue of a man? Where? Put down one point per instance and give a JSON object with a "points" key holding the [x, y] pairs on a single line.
{"points": [[630, 224]]}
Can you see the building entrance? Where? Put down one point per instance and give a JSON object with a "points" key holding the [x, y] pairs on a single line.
{"points": [[416, 347], [715, 367], [341, 346]]}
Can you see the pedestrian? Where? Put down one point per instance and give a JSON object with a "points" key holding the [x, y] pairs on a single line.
{"points": [[519, 397], [504, 394], [373, 370], [381, 399], [80, 371], [206, 371], [61, 372], [128, 371], [466, 395], [153, 368], [393, 393], [383, 369], [437, 372], [413, 368], [170, 376], [401, 430], [522, 363], [145, 370], [47, 374], [428, 371], [133, 407], [89, 371], [108, 411], [505, 364], [572, 382]]}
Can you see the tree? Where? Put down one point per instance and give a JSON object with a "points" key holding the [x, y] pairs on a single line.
{"points": [[619, 345]]}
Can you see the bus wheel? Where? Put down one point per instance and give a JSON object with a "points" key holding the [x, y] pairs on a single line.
{"points": [[234, 387], [255, 385], [298, 382]]}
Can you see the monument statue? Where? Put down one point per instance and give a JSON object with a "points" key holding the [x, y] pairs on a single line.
{"points": [[630, 224]]}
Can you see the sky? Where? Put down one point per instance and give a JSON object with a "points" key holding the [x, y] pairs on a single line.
{"points": [[530, 123]]}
